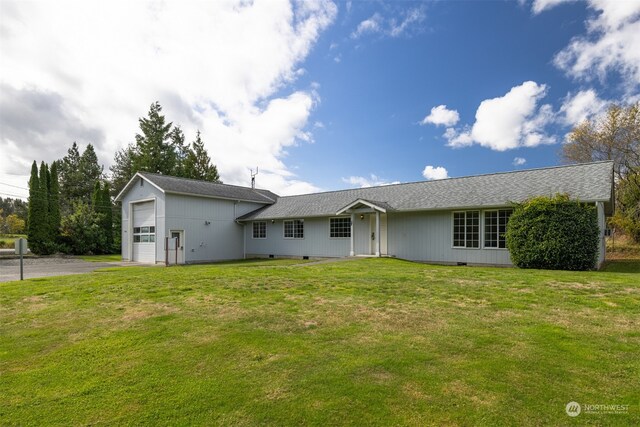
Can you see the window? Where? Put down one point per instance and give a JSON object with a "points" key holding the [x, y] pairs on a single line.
{"points": [[495, 227], [144, 234], [260, 230], [339, 227], [294, 229], [466, 229]]}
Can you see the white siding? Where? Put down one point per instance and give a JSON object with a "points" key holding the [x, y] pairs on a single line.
{"points": [[210, 230], [316, 242], [427, 236], [144, 192]]}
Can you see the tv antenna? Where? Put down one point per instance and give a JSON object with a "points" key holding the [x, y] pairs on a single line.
{"points": [[253, 177]]}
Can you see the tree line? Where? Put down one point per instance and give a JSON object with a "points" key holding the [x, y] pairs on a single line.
{"points": [[71, 208], [613, 136]]}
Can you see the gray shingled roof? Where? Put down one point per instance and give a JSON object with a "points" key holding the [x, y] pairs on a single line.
{"points": [[171, 184], [587, 182]]}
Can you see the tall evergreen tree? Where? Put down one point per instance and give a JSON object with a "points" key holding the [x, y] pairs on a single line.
{"points": [[180, 151], [54, 203], [153, 151], [122, 169], [44, 179], [38, 234], [198, 163], [90, 168], [96, 197], [78, 174], [34, 212], [107, 205], [71, 179]]}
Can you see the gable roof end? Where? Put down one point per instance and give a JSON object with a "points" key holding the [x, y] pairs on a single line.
{"points": [[192, 187]]}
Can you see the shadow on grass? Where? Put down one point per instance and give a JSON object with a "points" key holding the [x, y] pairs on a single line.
{"points": [[622, 266]]}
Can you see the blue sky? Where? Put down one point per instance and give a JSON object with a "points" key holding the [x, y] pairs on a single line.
{"points": [[320, 95]]}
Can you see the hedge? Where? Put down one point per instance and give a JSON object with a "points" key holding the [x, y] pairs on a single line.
{"points": [[553, 233]]}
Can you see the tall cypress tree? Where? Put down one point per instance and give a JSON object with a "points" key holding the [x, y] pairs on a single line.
{"points": [[96, 197], [108, 215], [33, 213], [54, 203], [44, 196], [38, 227]]}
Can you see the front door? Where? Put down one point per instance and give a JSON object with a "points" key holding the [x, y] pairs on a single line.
{"points": [[179, 235]]}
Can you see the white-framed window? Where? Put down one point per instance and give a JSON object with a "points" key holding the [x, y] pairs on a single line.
{"points": [[495, 227], [294, 229], [144, 234], [339, 227], [466, 229], [259, 229]]}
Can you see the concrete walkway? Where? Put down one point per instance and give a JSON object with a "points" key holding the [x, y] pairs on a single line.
{"points": [[51, 266]]}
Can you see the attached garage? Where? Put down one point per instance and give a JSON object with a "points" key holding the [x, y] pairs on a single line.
{"points": [[143, 235]]}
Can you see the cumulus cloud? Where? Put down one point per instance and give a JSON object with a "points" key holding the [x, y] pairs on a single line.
{"points": [[519, 161], [580, 106], [612, 42], [507, 122], [435, 172], [216, 66], [408, 22], [441, 115], [371, 181]]}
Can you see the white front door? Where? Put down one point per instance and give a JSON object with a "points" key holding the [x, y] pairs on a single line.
{"points": [[179, 235]]}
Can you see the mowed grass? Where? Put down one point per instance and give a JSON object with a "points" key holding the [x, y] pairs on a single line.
{"points": [[365, 342], [101, 258]]}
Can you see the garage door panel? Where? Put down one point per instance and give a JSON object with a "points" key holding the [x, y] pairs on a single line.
{"points": [[144, 229]]}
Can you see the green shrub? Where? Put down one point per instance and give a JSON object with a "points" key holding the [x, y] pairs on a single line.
{"points": [[554, 233]]}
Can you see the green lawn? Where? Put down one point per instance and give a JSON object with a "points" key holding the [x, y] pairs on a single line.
{"points": [[102, 258], [366, 342]]}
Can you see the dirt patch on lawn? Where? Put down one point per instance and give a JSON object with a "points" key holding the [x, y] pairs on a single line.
{"points": [[146, 310]]}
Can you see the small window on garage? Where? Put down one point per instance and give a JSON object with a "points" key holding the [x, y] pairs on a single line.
{"points": [[259, 230], [144, 234]]}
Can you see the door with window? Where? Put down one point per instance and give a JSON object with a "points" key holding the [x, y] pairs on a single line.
{"points": [[179, 236]]}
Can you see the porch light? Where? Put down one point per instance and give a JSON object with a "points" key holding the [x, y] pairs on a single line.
{"points": [[361, 216]]}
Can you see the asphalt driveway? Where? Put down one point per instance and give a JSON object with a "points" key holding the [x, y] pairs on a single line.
{"points": [[54, 266]]}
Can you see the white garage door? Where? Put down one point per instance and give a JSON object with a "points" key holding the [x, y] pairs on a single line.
{"points": [[144, 232]]}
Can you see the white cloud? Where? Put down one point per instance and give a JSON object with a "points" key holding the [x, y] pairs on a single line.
{"points": [[581, 106], [216, 66], [507, 122], [402, 26], [519, 161], [371, 181], [435, 172], [440, 115], [539, 6], [612, 42], [370, 25], [409, 21]]}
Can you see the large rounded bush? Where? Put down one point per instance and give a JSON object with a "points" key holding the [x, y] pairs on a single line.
{"points": [[555, 233]]}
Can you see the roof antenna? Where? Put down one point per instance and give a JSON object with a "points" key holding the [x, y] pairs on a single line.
{"points": [[253, 177]]}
